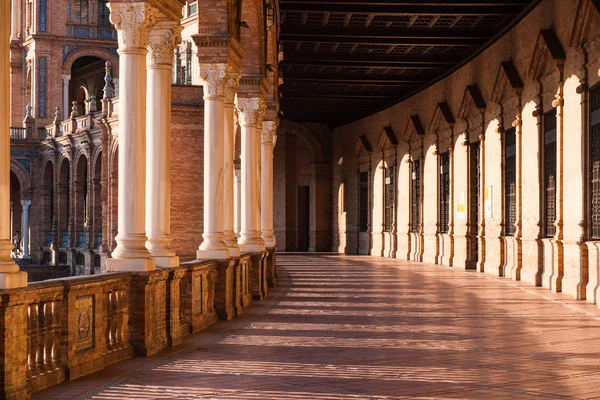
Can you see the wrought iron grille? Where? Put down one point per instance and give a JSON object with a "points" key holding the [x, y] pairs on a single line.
{"points": [[510, 181], [474, 200], [444, 199], [549, 173], [415, 190], [364, 202], [389, 199], [595, 161]]}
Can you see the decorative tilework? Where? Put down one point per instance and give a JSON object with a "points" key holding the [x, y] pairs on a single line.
{"points": [[23, 154], [82, 32], [42, 88], [69, 48], [25, 163], [105, 33], [84, 319], [43, 9]]}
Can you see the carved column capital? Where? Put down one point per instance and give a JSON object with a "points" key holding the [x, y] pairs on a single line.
{"points": [[231, 87], [133, 21], [162, 40], [251, 110], [269, 132], [218, 79]]}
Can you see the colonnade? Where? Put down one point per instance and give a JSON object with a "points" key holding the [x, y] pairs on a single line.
{"points": [[146, 42], [10, 276]]}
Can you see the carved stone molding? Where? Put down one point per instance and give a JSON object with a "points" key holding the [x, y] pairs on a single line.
{"points": [[133, 21], [251, 110], [162, 41]]}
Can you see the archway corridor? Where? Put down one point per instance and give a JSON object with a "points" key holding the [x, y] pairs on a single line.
{"points": [[349, 327]]}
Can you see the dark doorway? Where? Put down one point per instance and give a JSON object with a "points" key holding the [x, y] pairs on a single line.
{"points": [[303, 217], [474, 202]]}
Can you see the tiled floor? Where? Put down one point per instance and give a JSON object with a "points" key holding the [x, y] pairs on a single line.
{"points": [[369, 328]]}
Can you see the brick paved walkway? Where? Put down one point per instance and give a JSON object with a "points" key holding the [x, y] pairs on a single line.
{"points": [[370, 328]]}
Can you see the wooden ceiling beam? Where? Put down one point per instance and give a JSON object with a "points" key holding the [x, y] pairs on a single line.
{"points": [[390, 40], [373, 59], [403, 7], [300, 31]]}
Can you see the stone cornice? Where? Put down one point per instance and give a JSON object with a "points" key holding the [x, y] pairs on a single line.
{"points": [[219, 48]]}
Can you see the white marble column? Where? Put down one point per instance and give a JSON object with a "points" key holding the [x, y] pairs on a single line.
{"points": [[65, 104], [229, 170], [134, 22], [14, 33], [10, 276], [163, 39], [251, 110], [237, 202], [214, 80], [269, 138], [25, 204]]}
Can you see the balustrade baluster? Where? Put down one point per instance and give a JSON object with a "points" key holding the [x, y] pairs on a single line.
{"points": [[42, 332], [32, 325]]}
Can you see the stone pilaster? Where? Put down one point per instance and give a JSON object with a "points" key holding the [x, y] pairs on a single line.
{"points": [[134, 22], [162, 41]]}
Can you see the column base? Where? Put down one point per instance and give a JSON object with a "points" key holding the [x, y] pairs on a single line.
{"points": [[234, 252], [252, 248], [166, 262], [13, 280], [130, 264], [220, 254]]}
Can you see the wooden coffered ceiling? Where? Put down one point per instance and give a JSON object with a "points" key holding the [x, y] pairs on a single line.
{"points": [[343, 60]]}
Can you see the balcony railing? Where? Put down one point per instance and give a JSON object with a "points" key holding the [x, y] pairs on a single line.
{"points": [[17, 133]]}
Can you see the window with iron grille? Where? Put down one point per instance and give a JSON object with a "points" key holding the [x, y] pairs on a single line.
{"points": [[80, 12], [549, 191], [595, 161], [103, 13], [510, 181], [415, 192], [364, 202], [389, 189], [444, 206]]}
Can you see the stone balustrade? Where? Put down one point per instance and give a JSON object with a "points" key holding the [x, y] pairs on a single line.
{"points": [[62, 329]]}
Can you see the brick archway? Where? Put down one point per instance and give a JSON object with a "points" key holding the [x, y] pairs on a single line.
{"points": [[101, 53]]}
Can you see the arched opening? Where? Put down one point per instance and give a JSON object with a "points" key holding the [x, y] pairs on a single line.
{"points": [[81, 201], [113, 186], [48, 220], [64, 209], [87, 80], [16, 214], [97, 203]]}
